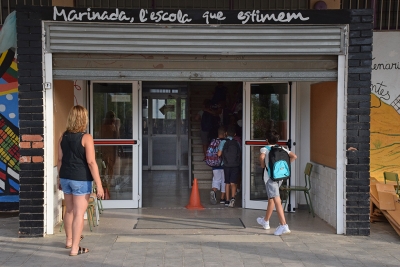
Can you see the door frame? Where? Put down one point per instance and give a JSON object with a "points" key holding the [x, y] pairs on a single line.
{"points": [[247, 143], [136, 201]]}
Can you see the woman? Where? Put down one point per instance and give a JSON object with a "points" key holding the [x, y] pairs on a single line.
{"points": [[109, 130], [77, 168]]}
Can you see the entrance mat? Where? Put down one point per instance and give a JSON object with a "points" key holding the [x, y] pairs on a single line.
{"points": [[189, 223]]}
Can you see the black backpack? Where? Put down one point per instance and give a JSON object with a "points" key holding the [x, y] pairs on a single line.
{"points": [[278, 163], [231, 153]]}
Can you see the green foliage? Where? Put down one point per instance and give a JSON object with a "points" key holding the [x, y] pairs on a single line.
{"points": [[265, 115]]}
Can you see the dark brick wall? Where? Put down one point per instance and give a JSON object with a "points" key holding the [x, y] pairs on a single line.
{"points": [[30, 97], [358, 123], [31, 122]]}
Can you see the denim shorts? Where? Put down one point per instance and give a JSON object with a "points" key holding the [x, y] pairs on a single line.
{"points": [[76, 188]]}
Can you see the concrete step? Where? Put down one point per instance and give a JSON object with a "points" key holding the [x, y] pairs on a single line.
{"points": [[196, 141], [200, 166], [197, 157], [197, 148], [205, 185], [203, 175]]}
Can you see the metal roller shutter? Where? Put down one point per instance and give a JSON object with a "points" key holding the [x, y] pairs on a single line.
{"points": [[195, 39], [194, 52], [192, 67]]}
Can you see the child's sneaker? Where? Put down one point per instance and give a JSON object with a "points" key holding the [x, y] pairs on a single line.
{"points": [[226, 203], [265, 224], [282, 229], [213, 197], [232, 203], [222, 201]]}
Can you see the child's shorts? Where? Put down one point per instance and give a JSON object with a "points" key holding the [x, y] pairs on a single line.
{"points": [[231, 175], [218, 180], [272, 188]]}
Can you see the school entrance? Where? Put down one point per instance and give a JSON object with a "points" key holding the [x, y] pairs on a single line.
{"points": [[148, 144], [154, 97]]}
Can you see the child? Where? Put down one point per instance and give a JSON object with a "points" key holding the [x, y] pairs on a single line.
{"points": [[231, 154], [274, 199], [218, 181]]}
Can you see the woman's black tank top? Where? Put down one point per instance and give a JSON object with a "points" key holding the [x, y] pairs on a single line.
{"points": [[74, 165]]}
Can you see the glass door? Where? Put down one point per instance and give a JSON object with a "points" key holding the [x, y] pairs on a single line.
{"points": [[266, 107], [165, 129], [114, 124]]}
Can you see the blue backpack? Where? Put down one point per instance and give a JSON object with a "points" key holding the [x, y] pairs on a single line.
{"points": [[278, 163]]}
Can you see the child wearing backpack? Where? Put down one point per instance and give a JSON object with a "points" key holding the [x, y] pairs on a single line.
{"points": [[231, 153], [214, 161], [274, 199]]}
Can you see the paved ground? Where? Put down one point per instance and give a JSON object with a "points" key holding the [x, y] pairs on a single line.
{"points": [[115, 242]]}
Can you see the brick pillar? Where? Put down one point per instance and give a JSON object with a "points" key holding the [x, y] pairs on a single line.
{"points": [[358, 123], [31, 205]]}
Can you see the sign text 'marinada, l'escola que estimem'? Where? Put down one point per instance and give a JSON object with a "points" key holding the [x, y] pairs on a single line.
{"points": [[178, 16]]}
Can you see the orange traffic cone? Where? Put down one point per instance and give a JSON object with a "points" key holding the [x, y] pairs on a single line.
{"points": [[194, 202]]}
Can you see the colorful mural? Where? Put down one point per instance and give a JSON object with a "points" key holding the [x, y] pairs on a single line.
{"points": [[9, 129], [385, 105]]}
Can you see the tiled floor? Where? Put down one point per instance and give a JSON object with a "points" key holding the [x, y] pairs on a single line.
{"points": [[165, 195], [165, 189]]}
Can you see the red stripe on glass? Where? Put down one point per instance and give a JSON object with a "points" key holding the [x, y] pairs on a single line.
{"points": [[262, 143], [115, 142]]}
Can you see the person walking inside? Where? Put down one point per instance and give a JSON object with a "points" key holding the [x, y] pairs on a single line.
{"points": [[231, 154], [272, 187], [205, 116], [77, 168], [218, 180]]}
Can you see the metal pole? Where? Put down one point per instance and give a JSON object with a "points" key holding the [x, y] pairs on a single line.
{"points": [[397, 15], [380, 26], [1, 13], [289, 206]]}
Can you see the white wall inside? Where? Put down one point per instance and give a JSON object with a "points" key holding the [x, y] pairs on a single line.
{"points": [[323, 193], [302, 136], [80, 93], [58, 197]]}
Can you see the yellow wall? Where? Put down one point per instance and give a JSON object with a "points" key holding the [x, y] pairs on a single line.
{"points": [[332, 4], [385, 139]]}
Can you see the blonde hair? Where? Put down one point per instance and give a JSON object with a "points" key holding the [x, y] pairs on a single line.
{"points": [[77, 119]]}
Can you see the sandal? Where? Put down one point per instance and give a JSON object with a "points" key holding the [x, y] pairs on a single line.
{"points": [[71, 245], [81, 250]]}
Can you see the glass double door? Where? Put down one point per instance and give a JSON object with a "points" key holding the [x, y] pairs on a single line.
{"points": [[165, 129], [267, 107], [114, 124]]}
